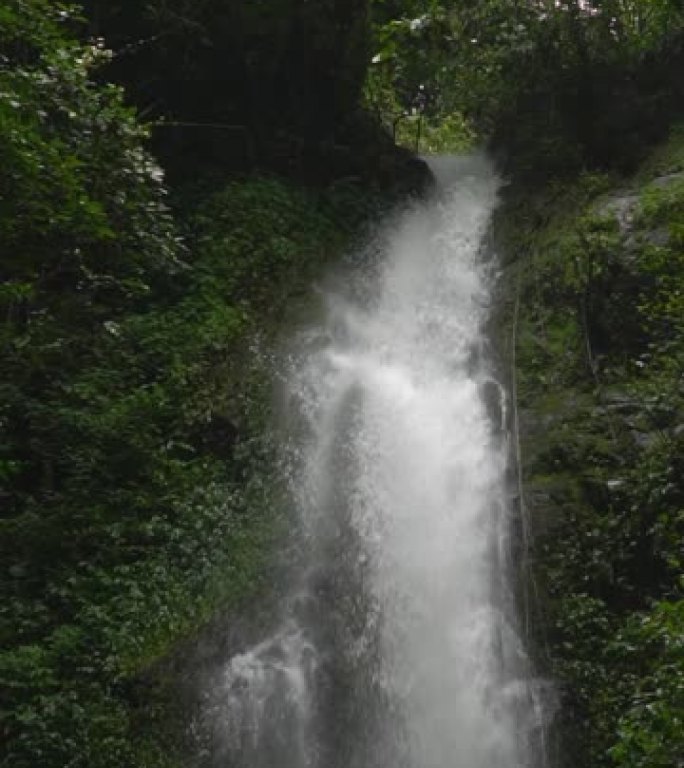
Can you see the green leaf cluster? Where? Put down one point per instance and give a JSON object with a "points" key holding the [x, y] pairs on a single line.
{"points": [[557, 86]]}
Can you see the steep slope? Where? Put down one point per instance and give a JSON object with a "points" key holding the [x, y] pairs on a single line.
{"points": [[595, 277]]}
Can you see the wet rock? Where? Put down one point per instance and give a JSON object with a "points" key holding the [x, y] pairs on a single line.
{"points": [[622, 402], [493, 396], [537, 499], [659, 237], [365, 150], [667, 180], [644, 440], [623, 207]]}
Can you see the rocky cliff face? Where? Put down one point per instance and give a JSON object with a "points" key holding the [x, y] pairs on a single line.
{"points": [[595, 276]]}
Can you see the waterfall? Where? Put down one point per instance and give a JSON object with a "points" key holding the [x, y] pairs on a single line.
{"points": [[397, 645]]}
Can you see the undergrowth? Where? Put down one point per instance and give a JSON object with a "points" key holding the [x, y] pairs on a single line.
{"points": [[140, 490], [600, 354]]}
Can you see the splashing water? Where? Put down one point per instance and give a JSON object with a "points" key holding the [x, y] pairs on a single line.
{"points": [[398, 646]]}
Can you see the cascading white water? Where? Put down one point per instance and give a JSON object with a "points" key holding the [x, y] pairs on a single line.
{"points": [[398, 646]]}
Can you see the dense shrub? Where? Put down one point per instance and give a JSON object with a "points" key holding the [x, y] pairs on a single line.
{"points": [[599, 358], [139, 488], [553, 86]]}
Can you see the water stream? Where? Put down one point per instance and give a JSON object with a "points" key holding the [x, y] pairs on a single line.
{"points": [[398, 644]]}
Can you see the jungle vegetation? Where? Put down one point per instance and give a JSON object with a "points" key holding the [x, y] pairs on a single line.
{"points": [[172, 173]]}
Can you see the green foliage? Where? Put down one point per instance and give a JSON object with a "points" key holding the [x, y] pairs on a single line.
{"points": [[558, 85], [413, 54], [600, 354], [410, 48], [650, 730], [139, 484]]}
